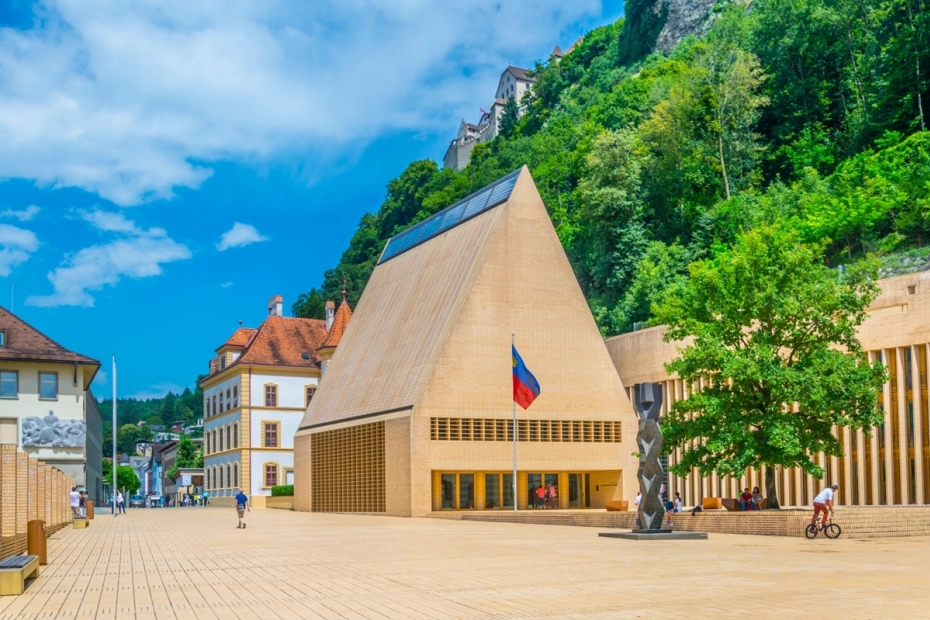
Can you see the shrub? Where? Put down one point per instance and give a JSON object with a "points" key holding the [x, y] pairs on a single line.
{"points": [[282, 490]]}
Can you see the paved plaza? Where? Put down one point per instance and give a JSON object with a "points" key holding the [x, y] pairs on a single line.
{"points": [[194, 563]]}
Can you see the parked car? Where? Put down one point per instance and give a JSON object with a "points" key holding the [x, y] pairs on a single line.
{"points": [[137, 501]]}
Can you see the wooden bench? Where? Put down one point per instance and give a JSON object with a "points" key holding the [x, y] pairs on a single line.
{"points": [[711, 503], [617, 506], [14, 571]]}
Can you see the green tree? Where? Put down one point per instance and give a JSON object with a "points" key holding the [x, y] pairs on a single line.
{"points": [[129, 434], [310, 305], [510, 117], [188, 456], [774, 341], [126, 479]]}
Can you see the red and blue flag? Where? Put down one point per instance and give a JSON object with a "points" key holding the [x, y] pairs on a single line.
{"points": [[525, 385]]}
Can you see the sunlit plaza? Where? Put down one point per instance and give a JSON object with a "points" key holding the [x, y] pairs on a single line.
{"points": [[195, 563]]}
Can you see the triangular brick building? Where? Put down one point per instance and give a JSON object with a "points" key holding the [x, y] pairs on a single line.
{"points": [[413, 413]]}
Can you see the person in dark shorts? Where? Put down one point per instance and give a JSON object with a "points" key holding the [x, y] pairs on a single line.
{"points": [[242, 504]]}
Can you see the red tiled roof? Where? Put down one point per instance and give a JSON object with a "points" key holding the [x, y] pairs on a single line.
{"points": [[240, 337], [338, 328], [22, 341], [285, 341]]}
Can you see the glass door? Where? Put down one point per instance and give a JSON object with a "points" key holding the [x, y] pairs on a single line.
{"points": [[575, 499], [466, 491], [448, 492], [498, 491]]}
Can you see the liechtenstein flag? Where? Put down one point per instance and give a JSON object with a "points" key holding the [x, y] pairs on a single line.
{"points": [[525, 385]]}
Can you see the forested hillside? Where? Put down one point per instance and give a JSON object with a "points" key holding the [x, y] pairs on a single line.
{"points": [[186, 407], [808, 114]]}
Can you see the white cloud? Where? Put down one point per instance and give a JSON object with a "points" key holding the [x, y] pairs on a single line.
{"points": [[132, 100], [226, 284], [238, 236], [23, 216], [137, 254], [16, 245]]}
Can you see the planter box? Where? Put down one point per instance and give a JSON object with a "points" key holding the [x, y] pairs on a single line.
{"points": [[283, 502]]}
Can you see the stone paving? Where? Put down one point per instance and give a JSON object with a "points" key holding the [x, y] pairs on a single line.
{"points": [[194, 563]]}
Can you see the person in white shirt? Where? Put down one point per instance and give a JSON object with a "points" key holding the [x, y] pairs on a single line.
{"points": [[639, 498], [75, 503], [823, 503]]}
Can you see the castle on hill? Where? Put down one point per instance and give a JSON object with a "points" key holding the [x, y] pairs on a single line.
{"points": [[514, 83]]}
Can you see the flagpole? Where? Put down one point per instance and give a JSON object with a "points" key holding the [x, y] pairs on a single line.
{"points": [[115, 464], [513, 343]]}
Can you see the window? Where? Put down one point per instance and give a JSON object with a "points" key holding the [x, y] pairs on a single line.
{"points": [[236, 435], [236, 475], [228, 437], [223, 361], [48, 385], [222, 480], [9, 384], [271, 474], [311, 390], [235, 396], [229, 404], [271, 395], [2, 339], [222, 404], [206, 406], [270, 434], [229, 474], [214, 405]]}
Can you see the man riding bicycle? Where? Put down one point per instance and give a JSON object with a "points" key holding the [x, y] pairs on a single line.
{"points": [[824, 503]]}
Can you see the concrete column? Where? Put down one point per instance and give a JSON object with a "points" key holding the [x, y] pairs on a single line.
{"points": [[860, 467], [875, 497], [888, 446], [904, 466], [798, 481], [847, 466], [919, 473]]}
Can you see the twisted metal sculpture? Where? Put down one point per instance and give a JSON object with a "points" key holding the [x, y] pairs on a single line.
{"points": [[648, 404]]}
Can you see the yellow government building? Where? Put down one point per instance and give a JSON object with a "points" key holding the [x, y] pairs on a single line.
{"points": [[413, 412]]}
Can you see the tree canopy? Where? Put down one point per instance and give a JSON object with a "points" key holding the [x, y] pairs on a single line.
{"points": [[773, 356]]}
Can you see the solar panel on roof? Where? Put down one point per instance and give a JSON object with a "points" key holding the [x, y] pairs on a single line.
{"points": [[450, 217]]}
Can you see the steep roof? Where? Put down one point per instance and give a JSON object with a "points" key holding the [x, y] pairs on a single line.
{"points": [[285, 341], [338, 328], [557, 52], [25, 342], [240, 337], [404, 317], [520, 74], [431, 334]]}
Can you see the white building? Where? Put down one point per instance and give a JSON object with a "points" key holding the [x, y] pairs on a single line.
{"points": [[259, 386], [46, 407]]}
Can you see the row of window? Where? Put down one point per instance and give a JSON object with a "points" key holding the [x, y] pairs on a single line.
{"points": [[227, 437], [227, 476], [218, 404], [482, 429], [223, 438], [48, 385]]}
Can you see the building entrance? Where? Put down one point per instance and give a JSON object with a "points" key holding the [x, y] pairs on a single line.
{"points": [[458, 491]]}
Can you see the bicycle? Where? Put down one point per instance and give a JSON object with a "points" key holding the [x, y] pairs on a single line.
{"points": [[831, 530]]}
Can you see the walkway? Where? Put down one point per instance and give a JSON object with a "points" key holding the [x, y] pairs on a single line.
{"points": [[194, 563]]}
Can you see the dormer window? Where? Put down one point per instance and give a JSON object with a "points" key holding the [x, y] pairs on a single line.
{"points": [[222, 362]]}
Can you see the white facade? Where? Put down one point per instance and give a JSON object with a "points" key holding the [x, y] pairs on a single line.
{"points": [[69, 405]]}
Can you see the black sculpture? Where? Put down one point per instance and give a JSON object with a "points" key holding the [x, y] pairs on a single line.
{"points": [[648, 403]]}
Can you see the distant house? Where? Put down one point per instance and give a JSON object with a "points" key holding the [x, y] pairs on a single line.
{"points": [[46, 406], [260, 384], [168, 457]]}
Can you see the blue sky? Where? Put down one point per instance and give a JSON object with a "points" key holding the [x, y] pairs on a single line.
{"points": [[167, 167]]}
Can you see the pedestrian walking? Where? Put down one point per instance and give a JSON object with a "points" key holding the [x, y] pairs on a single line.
{"points": [[75, 503], [120, 503], [206, 498], [242, 504]]}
